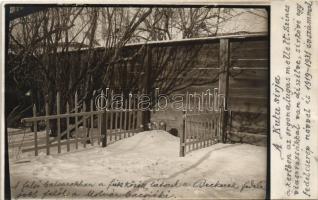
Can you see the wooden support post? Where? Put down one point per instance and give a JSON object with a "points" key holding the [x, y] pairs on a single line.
{"points": [[134, 117], [183, 135], [103, 121], [224, 63], [35, 129], [104, 129], [204, 133], [47, 126], [200, 127], [191, 133], [111, 125], [116, 125], [120, 123], [76, 120], [84, 126], [68, 127], [197, 134], [125, 120], [208, 132], [58, 110], [129, 117], [92, 123]]}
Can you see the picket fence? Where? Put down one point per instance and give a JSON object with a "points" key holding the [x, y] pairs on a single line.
{"points": [[83, 126], [201, 129]]}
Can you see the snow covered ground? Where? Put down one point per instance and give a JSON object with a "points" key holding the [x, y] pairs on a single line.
{"points": [[146, 165]]}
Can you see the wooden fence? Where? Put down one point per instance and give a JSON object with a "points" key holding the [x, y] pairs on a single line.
{"points": [[200, 130], [85, 125]]}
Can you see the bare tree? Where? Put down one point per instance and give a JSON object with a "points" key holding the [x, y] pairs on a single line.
{"points": [[45, 42]]}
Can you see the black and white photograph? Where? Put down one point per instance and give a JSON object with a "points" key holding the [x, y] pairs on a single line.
{"points": [[128, 101]]}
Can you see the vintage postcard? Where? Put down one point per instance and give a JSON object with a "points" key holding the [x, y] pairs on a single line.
{"points": [[144, 100]]}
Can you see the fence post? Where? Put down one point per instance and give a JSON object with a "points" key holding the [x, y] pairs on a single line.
{"points": [[134, 117], [182, 135], [111, 124], [125, 119], [76, 120], [92, 124], [58, 107], [116, 124], [129, 117], [103, 121], [47, 125], [84, 125], [35, 129], [224, 82], [68, 127], [120, 123]]}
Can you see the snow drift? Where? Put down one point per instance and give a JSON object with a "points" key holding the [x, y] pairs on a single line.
{"points": [[146, 165]]}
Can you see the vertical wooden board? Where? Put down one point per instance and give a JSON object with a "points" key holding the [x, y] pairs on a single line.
{"points": [[58, 107], [76, 120], [68, 127], [99, 127], [92, 123], [196, 135], [129, 118], [182, 136], [121, 124], [111, 125], [35, 127], [106, 127], [47, 125], [188, 122], [210, 133], [116, 125], [201, 134], [84, 138], [103, 121], [192, 134], [128, 122], [125, 120], [220, 117], [134, 117], [132, 122], [205, 133], [215, 125]]}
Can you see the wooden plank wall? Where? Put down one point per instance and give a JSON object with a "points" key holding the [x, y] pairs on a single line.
{"points": [[248, 82]]}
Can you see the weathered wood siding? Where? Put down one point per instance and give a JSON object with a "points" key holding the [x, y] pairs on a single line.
{"points": [[248, 83]]}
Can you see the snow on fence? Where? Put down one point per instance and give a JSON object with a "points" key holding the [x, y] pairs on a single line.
{"points": [[89, 126]]}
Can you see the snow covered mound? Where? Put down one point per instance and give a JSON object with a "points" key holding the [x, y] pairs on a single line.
{"points": [[149, 142]]}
